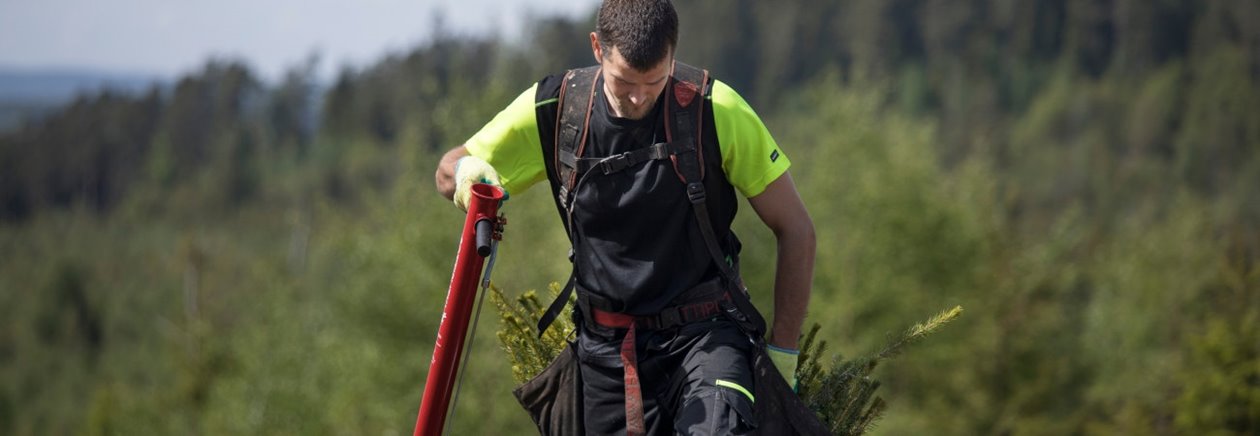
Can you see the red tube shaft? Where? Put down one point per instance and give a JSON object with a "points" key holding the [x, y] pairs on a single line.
{"points": [[484, 205]]}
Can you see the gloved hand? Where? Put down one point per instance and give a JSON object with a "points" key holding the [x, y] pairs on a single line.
{"points": [[470, 170], [785, 360]]}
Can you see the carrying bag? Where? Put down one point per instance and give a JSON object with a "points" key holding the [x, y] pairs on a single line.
{"points": [[778, 409], [553, 398]]}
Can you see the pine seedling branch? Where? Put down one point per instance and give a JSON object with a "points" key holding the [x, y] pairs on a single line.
{"points": [[528, 353], [843, 395]]}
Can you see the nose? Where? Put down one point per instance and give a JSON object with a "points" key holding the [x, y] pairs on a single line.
{"points": [[639, 96], [636, 97]]}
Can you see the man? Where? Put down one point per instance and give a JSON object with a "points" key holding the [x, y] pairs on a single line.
{"points": [[639, 250]]}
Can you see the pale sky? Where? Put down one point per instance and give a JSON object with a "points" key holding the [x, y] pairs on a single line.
{"points": [[172, 37]]}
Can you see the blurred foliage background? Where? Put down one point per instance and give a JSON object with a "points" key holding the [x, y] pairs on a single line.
{"points": [[227, 256]]}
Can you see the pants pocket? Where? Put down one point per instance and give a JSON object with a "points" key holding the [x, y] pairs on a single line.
{"points": [[717, 411]]}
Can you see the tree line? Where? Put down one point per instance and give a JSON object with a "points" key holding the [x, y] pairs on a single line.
{"points": [[974, 65]]}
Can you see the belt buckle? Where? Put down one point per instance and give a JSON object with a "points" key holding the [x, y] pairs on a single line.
{"points": [[670, 317]]}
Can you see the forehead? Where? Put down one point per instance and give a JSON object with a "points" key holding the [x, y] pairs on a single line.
{"points": [[617, 65]]}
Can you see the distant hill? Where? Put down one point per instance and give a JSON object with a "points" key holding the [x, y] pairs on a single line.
{"points": [[28, 93], [35, 85]]}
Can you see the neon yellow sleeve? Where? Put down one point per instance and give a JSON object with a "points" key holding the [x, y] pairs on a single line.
{"points": [[510, 143], [750, 157]]}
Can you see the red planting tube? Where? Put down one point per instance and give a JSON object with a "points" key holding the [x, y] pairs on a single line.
{"points": [[482, 210]]}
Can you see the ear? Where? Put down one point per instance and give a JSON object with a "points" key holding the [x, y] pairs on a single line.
{"points": [[596, 49]]}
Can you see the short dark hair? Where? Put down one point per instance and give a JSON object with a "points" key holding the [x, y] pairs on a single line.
{"points": [[644, 31]]}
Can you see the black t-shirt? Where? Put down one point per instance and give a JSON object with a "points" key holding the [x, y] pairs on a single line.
{"points": [[635, 238]]}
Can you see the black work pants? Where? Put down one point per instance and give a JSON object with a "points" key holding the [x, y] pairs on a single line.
{"points": [[696, 379]]}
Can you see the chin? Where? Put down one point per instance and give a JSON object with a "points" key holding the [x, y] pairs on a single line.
{"points": [[637, 115]]}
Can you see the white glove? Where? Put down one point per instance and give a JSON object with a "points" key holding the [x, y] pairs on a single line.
{"points": [[785, 360], [471, 170]]}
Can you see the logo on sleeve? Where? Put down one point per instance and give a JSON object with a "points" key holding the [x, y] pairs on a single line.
{"points": [[774, 156]]}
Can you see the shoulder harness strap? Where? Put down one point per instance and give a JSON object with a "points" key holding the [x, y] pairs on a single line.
{"points": [[683, 123], [683, 129], [577, 93]]}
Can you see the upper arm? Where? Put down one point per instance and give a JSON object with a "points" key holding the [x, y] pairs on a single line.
{"points": [[510, 143], [780, 207]]}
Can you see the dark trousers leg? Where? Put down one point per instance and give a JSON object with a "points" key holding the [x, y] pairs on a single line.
{"points": [[696, 379]]}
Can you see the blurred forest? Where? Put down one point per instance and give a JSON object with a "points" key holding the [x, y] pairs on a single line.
{"points": [[227, 256]]}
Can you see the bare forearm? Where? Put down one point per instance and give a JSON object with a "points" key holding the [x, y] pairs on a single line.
{"points": [[444, 178], [781, 209], [793, 280]]}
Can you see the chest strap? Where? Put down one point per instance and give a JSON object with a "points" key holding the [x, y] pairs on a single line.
{"points": [[619, 162]]}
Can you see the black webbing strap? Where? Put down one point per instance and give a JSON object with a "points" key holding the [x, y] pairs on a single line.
{"points": [[619, 162], [688, 157], [577, 92], [556, 306]]}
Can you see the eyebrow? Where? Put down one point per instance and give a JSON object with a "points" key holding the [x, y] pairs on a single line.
{"points": [[623, 80]]}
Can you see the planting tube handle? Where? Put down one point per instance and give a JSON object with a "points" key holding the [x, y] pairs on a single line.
{"points": [[485, 230]]}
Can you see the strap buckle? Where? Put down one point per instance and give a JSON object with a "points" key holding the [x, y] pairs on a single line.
{"points": [[616, 163], [695, 193], [658, 151]]}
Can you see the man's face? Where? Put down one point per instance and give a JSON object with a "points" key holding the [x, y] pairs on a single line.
{"points": [[630, 92]]}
